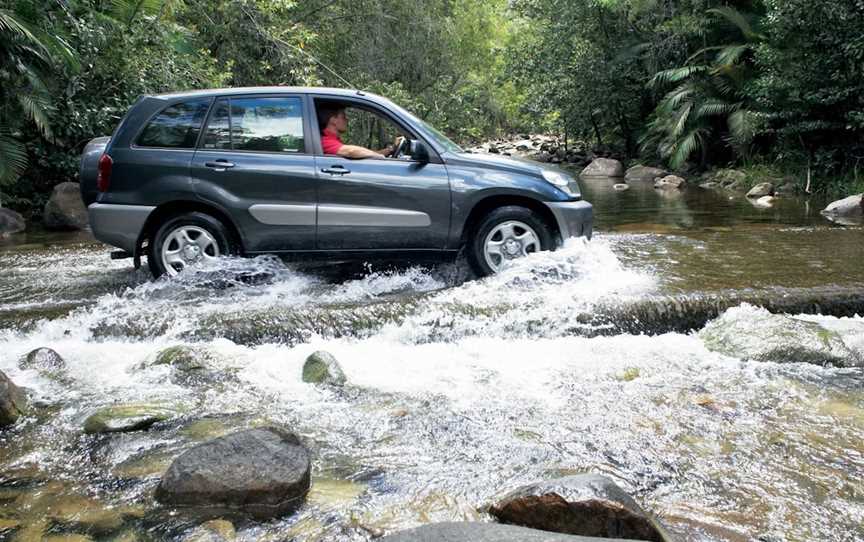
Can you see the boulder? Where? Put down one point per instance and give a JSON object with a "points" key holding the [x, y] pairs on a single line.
{"points": [[583, 504], [846, 211], [482, 532], [645, 173], [604, 167], [262, 472], [44, 360], [11, 222], [13, 401], [620, 187], [748, 332], [670, 182], [65, 209], [126, 418], [322, 368], [493, 149], [761, 190], [730, 179], [764, 202]]}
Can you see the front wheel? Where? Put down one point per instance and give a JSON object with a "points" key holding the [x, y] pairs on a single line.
{"points": [[506, 233], [186, 240]]}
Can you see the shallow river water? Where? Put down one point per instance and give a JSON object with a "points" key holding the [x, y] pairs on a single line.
{"points": [[585, 359]]}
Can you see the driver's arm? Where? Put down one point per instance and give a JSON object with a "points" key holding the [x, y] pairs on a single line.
{"points": [[356, 151]]}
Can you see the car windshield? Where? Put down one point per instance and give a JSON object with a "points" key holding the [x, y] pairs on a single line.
{"points": [[433, 132]]}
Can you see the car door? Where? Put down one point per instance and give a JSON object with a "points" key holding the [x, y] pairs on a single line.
{"points": [[252, 161], [381, 204]]}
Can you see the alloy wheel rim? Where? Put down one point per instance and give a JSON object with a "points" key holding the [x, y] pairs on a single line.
{"points": [[188, 245], [508, 241]]}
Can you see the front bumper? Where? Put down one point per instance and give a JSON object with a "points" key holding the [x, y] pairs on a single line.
{"points": [[574, 218], [118, 225]]}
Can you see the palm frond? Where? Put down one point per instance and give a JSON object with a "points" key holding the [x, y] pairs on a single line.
{"points": [[125, 11], [731, 54], [743, 126], [674, 75], [685, 147], [36, 107], [13, 157], [737, 19], [713, 108], [681, 120]]}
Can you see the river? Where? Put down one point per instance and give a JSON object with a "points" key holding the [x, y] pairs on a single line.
{"points": [[589, 358]]}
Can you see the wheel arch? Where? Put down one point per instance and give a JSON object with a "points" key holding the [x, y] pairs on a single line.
{"points": [[174, 208], [490, 203]]}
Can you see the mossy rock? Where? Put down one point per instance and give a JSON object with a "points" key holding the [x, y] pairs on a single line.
{"points": [[13, 401], [191, 366], [216, 530], [322, 368], [126, 418]]}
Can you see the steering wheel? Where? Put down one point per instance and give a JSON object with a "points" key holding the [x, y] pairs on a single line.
{"points": [[401, 148]]}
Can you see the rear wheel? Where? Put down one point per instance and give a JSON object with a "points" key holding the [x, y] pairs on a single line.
{"points": [[185, 240], [506, 233]]}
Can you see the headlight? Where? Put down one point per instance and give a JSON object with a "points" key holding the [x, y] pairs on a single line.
{"points": [[564, 182]]}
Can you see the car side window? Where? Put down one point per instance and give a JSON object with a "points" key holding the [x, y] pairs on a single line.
{"points": [[176, 127], [218, 132]]}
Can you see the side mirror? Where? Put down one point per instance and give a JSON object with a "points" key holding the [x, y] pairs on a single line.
{"points": [[419, 151]]}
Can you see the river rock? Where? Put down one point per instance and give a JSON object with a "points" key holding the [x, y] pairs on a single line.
{"points": [[43, 360], [620, 187], [670, 182], [846, 211], [583, 504], [764, 202], [262, 472], [645, 174], [761, 190], [65, 209], [13, 401], [126, 418], [192, 366], [730, 179], [322, 368], [753, 333], [11, 222], [216, 530], [604, 167], [482, 532]]}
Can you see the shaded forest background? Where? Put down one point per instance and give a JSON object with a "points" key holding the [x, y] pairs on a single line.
{"points": [[772, 85]]}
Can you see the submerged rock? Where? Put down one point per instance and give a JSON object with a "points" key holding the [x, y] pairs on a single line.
{"points": [[583, 504], [749, 332], [761, 190], [192, 366], [216, 530], [322, 368], [65, 209], [262, 472], [482, 532], [11, 222], [849, 211], [604, 167], [670, 182], [645, 173], [45, 361], [13, 401], [620, 187], [125, 418]]}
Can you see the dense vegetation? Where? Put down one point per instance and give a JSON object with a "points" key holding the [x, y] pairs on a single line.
{"points": [[690, 83]]}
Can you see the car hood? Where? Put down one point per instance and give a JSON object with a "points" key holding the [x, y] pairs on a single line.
{"points": [[507, 163]]}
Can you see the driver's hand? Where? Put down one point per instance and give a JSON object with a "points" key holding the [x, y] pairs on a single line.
{"points": [[396, 142]]}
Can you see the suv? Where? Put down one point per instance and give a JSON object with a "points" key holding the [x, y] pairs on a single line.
{"points": [[193, 176]]}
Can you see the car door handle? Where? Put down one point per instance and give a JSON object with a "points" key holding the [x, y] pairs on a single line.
{"points": [[219, 164], [336, 170]]}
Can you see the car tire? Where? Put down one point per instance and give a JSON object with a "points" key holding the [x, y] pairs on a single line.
{"points": [[513, 230], [186, 239]]}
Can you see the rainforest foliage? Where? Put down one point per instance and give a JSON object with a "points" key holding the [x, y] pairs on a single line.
{"points": [[688, 83]]}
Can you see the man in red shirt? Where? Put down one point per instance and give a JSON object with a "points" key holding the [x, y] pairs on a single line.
{"points": [[334, 122]]}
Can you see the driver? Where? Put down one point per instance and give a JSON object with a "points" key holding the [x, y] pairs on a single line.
{"points": [[333, 122]]}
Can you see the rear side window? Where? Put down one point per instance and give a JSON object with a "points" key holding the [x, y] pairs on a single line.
{"points": [[256, 124], [177, 126]]}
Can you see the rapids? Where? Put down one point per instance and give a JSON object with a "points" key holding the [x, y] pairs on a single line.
{"points": [[584, 359]]}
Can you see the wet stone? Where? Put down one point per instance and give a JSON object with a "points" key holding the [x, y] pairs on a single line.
{"points": [[8, 525], [645, 173], [13, 401], [483, 532], [43, 360], [604, 167], [670, 182], [748, 332], [583, 504], [217, 530], [192, 366], [761, 190], [620, 187], [263, 473], [125, 418], [322, 368]]}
